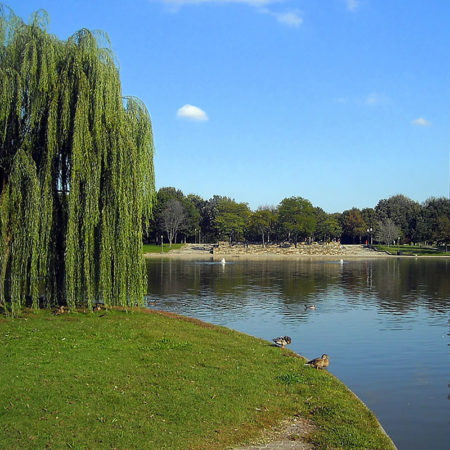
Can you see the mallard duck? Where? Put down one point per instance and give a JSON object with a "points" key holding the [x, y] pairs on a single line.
{"points": [[310, 307], [98, 307], [319, 363], [60, 310], [282, 341]]}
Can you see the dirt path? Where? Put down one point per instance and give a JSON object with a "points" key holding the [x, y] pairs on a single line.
{"points": [[288, 434]]}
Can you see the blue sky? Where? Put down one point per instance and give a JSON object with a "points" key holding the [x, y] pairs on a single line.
{"points": [[343, 102]]}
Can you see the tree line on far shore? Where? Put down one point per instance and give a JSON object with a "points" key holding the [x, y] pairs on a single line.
{"points": [[190, 218]]}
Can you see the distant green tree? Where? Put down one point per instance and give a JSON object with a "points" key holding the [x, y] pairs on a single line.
{"points": [[76, 170], [231, 219], [296, 216], [328, 226], [370, 219], [208, 218], [387, 232], [173, 217], [262, 220], [442, 232], [332, 227], [353, 225], [320, 232], [402, 211], [428, 221], [192, 209], [163, 196]]}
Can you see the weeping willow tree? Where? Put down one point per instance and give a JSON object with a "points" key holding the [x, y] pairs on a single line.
{"points": [[76, 171]]}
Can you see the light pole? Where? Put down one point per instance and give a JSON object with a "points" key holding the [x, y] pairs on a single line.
{"points": [[162, 245], [369, 230]]}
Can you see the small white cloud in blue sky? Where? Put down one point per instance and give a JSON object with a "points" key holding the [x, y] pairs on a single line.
{"points": [[192, 112], [290, 18], [352, 5], [374, 99], [421, 122], [193, 2]]}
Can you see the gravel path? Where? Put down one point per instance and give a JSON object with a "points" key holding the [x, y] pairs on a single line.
{"points": [[289, 434]]}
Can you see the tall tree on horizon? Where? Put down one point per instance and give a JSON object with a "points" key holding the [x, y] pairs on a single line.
{"points": [[76, 170], [173, 217], [231, 219], [353, 225], [296, 215], [262, 220]]}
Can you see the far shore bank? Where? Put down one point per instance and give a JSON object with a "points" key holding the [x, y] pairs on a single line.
{"points": [[210, 252]]}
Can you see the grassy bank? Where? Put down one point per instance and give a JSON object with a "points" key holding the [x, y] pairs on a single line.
{"points": [[411, 250], [151, 380], [153, 248]]}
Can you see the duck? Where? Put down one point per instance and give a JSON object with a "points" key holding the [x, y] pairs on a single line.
{"points": [[60, 310], [310, 307], [282, 341], [98, 307], [319, 363]]}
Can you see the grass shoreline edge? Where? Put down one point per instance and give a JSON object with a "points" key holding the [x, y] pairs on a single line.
{"points": [[234, 378]]}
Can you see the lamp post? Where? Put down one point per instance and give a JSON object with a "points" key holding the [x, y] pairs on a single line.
{"points": [[370, 230], [162, 243]]}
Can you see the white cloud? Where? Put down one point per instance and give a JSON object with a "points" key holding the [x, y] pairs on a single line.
{"points": [[375, 98], [372, 99], [289, 18], [352, 5], [421, 122], [197, 2], [191, 112], [292, 19]]}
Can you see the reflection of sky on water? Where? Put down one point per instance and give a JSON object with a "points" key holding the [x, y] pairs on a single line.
{"points": [[383, 323]]}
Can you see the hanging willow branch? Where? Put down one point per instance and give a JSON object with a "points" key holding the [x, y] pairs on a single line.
{"points": [[76, 171]]}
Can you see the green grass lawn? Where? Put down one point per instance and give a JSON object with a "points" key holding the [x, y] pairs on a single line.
{"points": [[153, 248], [114, 379], [411, 250]]}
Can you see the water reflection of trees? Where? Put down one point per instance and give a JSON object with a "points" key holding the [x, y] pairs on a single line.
{"points": [[397, 285], [400, 284]]}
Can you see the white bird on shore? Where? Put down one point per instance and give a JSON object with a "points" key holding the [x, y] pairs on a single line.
{"points": [[342, 261], [223, 261]]}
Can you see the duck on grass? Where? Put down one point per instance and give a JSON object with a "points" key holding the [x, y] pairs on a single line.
{"points": [[282, 341], [148, 379], [319, 363]]}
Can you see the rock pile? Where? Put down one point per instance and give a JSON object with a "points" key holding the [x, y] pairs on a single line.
{"points": [[331, 248]]}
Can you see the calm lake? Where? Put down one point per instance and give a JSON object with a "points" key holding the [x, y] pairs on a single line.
{"points": [[383, 322]]}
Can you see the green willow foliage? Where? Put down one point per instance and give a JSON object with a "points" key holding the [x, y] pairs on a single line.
{"points": [[76, 171]]}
